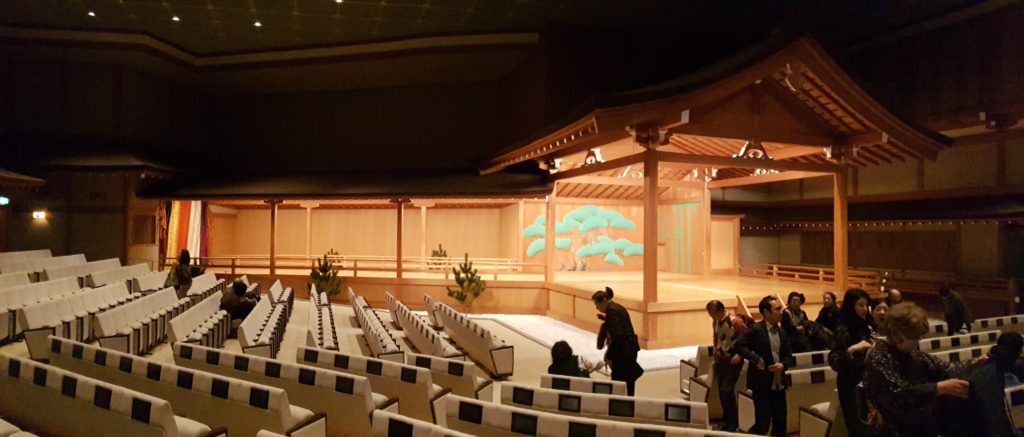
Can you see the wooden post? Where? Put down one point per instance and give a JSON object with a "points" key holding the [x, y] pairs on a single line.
{"points": [[398, 250], [519, 236], [549, 236], [423, 236], [706, 218], [273, 235], [309, 226], [839, 231], [650, 279]]}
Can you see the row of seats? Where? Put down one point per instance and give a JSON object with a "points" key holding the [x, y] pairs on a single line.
{"points": [[582, 385], [71, 316], [667, 412], [243, 408], [378, 338], [424, 338], [461, 377], [485, 418], [204, 286], [136, 327], [935, 344], [494, 355], [413, 386], [54, 401], [15, 298], [318, 298], [280, 295], [119, 274], [14, 279], [387, 424], [263, 329], [204, 323], [806, 387], [346, 398], [81, 272], [37, 266], [321, 333], [428, 302], [9, 257], [148, 283]]}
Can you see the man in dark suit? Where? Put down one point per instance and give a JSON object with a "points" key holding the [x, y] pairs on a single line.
{"points": [[766, 347]]}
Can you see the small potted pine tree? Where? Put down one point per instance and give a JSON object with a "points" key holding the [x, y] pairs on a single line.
{"points": [[325, 278], [469, 285]]}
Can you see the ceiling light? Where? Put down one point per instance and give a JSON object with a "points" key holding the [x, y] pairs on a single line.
{"points": [[92, 14], [4, 200], [175, 18], [39, 215], [257, 24], [339, 1]]}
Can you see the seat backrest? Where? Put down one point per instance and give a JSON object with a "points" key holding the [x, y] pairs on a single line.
{"points": [[962, 354], [8, 257], [25, 294], [1014, 397], [958, 341], [806, 360], [346, 398], [52, 400], [582, 385], [78, 270], [251, 328], [105, 277], [188, 321], [391, 424], [14, 279], [40, 264], [242, 407], [667, 412], [1007, 323], [276, 287], [152, 281]]}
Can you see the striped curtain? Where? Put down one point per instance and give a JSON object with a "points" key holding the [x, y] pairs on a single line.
{"points": [[185, 229]]}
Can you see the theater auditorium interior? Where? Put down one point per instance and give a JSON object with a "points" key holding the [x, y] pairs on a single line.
{"points": [[511, 217]]}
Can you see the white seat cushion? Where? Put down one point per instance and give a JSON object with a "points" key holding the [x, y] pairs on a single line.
{"points": [[190, 428], [6, 429]]}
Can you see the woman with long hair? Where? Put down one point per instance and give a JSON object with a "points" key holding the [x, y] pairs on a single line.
{"points": [[623, 344], [849, 348]]}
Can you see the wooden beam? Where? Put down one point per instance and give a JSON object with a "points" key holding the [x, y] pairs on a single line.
{"points": [[747, 132], [599, 201], [722, 161], [423, 233], [840, 234], [612, 180], [400, 209], [989, 137], [764, 179], [796, 152], [865, 139], [650, 278], [594, 168]]}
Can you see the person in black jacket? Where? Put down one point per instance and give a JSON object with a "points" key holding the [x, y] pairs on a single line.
{"points": [[766, 346], [796, 323], [852, 342], [829, 317], [617, 332], [564, 362]]}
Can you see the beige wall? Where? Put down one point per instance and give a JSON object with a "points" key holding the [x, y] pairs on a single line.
{"points": [[509, 232], [759, 249], [962, 167], [252, 232], [789, 248], [723, 244], [461, 231]]}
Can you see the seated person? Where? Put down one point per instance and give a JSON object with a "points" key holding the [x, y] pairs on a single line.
{"points": [[237, 302], [565, 363]]}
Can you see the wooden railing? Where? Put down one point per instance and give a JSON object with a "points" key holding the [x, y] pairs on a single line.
{"points": [[352, 265], [986, 296], [867, 280]]}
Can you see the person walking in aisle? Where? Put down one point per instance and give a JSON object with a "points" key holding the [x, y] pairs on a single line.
{"points": [[727, 329], [766, 346]]}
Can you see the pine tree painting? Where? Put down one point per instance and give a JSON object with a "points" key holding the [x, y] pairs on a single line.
{"points": [[590, 228]]}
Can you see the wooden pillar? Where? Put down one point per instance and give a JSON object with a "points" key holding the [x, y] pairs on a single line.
{"points": [[519, 235], [549, 236], [273, 235], [309, 225], [423, 236], [398, 250], [840, 234], [650, 225], [706, 219]]}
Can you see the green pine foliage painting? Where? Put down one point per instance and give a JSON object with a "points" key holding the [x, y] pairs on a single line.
{"points": [[586, 233]]}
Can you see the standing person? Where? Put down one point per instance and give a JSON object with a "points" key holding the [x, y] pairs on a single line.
{"points": [[623, 345], [181, 277], [852, 342], [956, 311], [766, 346], [829, 317], [904, 383], [727, 329], [795, 322]]}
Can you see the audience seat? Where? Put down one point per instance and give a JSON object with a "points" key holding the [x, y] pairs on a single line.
{"points": [[280, 295], [81, 272], [963, 354], [583, 385], [321, 332], [936, 328], [667, 412], [347, 399], [14, 279], [38, 266], [412, 386], [424, 338], [1014, 323], [807, 387], [204, 323], [810, 360], [57, 402], [935, 344], [148, 283], [137, 326], [387, 424], [382, 344], [461, 377], [70, 316], [120, 274], [263, 329], [428, 302], [242, 407], [204, 286], [476, 417], [13, 299], [9, 257], [689, 368], [823, 419], [494, 355]]}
